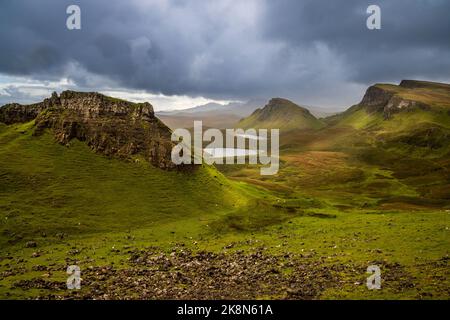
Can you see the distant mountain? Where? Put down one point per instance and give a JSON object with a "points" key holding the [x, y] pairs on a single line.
{"points": [[282, 114], [208, 107], [240, 109], [210, 120], [213, 115]]}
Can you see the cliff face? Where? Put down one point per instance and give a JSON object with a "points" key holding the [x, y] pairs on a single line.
{"points": [[17, 113], [110, 126], [389, 100]]}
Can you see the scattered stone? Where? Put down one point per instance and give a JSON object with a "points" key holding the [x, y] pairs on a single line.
{"points": [[31, 244]]}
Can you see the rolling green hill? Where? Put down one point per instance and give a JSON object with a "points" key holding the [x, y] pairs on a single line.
{"points": [[280, 114]]}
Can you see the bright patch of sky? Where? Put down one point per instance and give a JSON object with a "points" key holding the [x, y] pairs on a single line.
{"points": [[25, 90]]}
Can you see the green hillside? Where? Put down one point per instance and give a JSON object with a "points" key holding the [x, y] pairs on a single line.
{"points": [[280, 114], [53, 189]]}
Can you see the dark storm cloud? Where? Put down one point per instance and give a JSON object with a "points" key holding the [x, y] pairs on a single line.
{"points": [[315, 51], [414, 39]]}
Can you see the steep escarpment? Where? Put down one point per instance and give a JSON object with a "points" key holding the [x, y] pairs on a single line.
{"points": [[109, 126], [410, 118], [396, 106], [388, 100], [410, 95]]}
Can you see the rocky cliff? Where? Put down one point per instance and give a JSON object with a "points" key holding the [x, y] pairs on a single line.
{"points": [[110, 126], [390, 99]]}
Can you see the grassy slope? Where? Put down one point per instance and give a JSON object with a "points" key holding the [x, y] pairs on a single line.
{"points": [[357, 210], [328, 204], [51, 188]]}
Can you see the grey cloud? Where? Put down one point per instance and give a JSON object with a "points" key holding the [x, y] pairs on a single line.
{"points": [[311, 51], [413, 41]]}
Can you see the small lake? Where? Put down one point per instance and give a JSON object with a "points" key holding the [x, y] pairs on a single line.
{"points": [[250, 137], [229, 152], [217, 153]]}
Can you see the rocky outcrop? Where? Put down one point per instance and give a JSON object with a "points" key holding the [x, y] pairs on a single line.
{"points": [[17, 113], [388, 101], [110, 126], [376, 98]]}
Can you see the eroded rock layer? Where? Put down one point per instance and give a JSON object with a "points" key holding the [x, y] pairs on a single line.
{"points": [[110, 126]]}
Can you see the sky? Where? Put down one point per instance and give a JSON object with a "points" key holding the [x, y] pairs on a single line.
{"points": [[182, 53]]}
